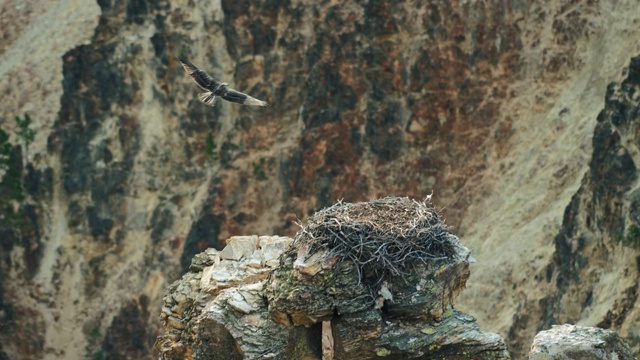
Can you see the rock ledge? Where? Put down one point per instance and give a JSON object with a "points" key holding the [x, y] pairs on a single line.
{"points": [[318, 296]]}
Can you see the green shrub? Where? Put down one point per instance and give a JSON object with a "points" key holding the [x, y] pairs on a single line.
{"points": [[11, 190], [25, 134], [631, 238], [258, 170], [211, 148]]}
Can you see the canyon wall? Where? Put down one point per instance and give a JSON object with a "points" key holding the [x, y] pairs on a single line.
{"points": [[493, 106]]}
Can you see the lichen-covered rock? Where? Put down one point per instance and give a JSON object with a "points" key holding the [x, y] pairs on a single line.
{"points": [[371, 334], [217, 311], [425, 291], [391, 253], [241, 303], [565, 342], [391, 308]]}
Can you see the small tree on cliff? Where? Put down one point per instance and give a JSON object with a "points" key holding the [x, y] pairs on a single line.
{"points": [[10, 182], [25, 134]]}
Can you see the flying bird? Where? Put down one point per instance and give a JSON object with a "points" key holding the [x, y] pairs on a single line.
{"points": [[213, 89]]}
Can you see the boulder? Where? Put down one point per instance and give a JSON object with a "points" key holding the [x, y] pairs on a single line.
{"points": [[359, 281], [564, 342], [217, 311]]}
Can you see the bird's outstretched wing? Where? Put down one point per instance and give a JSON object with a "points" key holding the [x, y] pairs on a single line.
{"points": [[208, 98], [204, 80], [241, 98]]}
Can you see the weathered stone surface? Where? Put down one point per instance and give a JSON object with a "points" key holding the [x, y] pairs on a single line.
{"points": [[239, 247], [600, 227], [407, 314], [271, 249], [217, 310], [308, 299], [565, 342], [425, 292], [329, 302], [371, 335], [204, 259]]}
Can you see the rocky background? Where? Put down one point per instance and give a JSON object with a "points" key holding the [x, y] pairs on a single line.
{"points": [[505, 109]]}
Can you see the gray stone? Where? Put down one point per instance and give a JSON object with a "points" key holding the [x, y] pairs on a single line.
{"points": [[219, 312], [565, 342], [239, 247], [261, 297]]}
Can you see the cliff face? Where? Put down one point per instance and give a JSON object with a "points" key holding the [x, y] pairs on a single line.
{"points": [[597, 257], [492, 105]]}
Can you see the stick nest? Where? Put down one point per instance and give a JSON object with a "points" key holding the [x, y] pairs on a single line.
{"points": [[381, 236]]}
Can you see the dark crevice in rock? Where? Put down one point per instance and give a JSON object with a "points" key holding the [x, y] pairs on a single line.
{"points": [[326, 97], [618, 314], [136, 11], [128, 336], [161, 220], [38, 182], [31, 239], [83, 112], [203, 234], [383, 129]]}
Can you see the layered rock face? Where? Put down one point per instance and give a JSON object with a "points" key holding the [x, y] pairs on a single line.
{"points": [[217, 310], [596, 261], [492, 103], [388, 294]]}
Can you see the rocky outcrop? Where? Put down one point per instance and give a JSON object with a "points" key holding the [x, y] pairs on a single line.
{"points": [[217, 310], [599, 240], [316, 302], [578, 342]]}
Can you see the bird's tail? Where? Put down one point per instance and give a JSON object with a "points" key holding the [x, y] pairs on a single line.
{"points": [[208, 98]]}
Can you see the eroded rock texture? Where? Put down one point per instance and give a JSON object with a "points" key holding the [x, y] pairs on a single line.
{"points": [[596, 253], [240, 304], [218, 311], [578, 342], [407, 317], [492, 103]]}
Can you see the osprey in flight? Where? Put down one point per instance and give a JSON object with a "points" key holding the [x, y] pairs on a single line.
{"points": [[214, 89]]}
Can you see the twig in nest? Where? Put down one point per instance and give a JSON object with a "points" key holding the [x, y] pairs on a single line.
{"points": [[381, 237]]}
